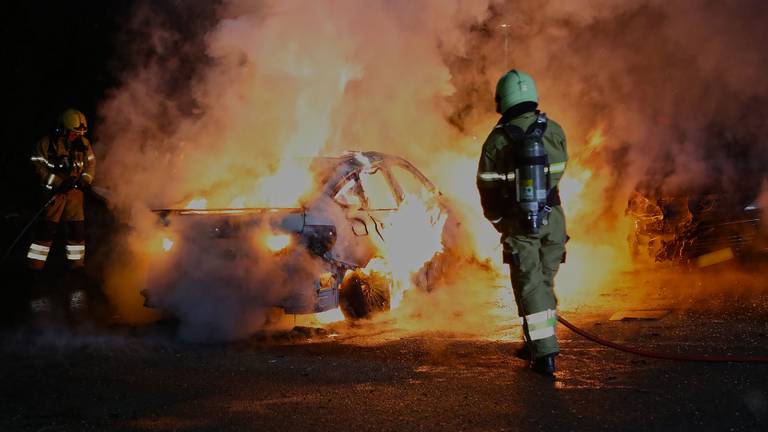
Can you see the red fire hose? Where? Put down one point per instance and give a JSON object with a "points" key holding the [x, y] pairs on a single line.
{"points": [[664, 356]]}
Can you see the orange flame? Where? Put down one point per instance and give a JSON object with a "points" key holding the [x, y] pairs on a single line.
{"points": [[277, 242], [412, 236], [593, 257], [197, 204], [167, 244]]}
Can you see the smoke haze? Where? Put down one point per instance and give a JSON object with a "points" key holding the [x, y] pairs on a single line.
{"points": [[664, 96]]}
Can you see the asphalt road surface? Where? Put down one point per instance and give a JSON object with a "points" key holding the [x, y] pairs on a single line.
{"points": [[380, 377]]}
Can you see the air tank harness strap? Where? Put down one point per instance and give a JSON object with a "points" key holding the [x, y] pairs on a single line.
{"points": [[537, 129], [543, 215]]}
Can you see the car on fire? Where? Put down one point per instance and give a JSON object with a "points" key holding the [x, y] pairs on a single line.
{"points": [[317, 252], [701, 229]]}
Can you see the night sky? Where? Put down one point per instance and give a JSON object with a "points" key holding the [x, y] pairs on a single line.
{"points": [[56, 55]]}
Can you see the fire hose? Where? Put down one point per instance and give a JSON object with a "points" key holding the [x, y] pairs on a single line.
{"points": [[27, 226], [660, 355], [102, 194]]}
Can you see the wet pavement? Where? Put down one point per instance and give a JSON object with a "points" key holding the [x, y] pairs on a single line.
{"points": [[383, 377]]}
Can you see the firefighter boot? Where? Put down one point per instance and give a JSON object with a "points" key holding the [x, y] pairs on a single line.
{"points": [[545, 365]]}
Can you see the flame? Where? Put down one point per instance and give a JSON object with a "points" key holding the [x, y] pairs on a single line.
{"points": [[594, 140], [276, 93], [197, 204], [286, 186], [412, 236], [167, 244], [572, 187], [277, 242], [594, 257], [237, 202], [575, 184], [156, 243]]}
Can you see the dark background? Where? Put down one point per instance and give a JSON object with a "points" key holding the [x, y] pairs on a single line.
{"points": [[56, 55]]}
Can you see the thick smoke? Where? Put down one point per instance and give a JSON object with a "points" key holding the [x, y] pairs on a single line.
{"points": [[666, 98], [677, 88], [221, 288], [219, 94]]}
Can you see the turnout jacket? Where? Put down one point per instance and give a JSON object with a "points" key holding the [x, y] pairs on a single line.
{"points": [[50, 151], [495, 171]]}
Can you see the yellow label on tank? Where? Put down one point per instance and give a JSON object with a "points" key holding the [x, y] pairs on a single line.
{"points": [[528, 183]]}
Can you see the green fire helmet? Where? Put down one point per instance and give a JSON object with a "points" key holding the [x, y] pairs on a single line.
{"points": [[74, 120], [515, 87]]}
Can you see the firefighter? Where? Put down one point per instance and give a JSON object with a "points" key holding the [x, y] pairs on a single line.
{"points": [[65, 165], [526, 152]]}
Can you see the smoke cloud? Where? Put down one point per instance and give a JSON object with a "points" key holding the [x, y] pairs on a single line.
{"points": [[668, 98]]}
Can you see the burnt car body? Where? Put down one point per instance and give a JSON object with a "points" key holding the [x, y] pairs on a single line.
{"points": [[333, 235], [696, 229]]}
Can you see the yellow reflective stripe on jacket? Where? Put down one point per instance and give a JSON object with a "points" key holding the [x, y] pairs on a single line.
{"points": [[557, 168], [41, 159], [50, 181], [491, 176]]}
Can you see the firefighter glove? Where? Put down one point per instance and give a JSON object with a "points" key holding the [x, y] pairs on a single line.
{"points": [[81, 184], [62, 166], [66, 185]]}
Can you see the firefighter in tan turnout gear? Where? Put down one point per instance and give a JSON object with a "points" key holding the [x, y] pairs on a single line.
{"points": [[65, 165], [521, 163]]}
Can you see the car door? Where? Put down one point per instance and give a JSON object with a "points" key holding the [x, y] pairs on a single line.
{"points": [[379, 197], [357, 246]]}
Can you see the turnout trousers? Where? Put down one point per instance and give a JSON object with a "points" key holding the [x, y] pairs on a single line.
{"points": [[67, 207], [534, 260]]}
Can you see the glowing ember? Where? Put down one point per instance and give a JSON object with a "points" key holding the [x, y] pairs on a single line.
{"points": [[277, 242]]}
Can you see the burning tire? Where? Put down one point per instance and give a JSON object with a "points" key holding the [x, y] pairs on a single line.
{"points": [[363, 295]]}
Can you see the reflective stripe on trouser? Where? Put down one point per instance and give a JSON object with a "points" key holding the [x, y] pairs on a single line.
{"points": [[539, 325], [76, 254], [76, 243], [38, 254], [537, 259], [68, 208]]}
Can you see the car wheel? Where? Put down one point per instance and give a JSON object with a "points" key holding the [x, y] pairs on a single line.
{"points": [[363, 295]]}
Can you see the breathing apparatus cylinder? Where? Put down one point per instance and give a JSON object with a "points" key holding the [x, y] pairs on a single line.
{"points": [[532, 177]]}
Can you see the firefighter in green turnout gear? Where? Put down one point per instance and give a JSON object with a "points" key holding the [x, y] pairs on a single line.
{"points": [[525, 156]]}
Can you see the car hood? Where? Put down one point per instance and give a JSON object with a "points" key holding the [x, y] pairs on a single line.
{"points": [[227, 221]]}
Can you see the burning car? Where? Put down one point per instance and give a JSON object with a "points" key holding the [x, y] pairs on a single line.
{"points": [[344, 245], [702, 229]]}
